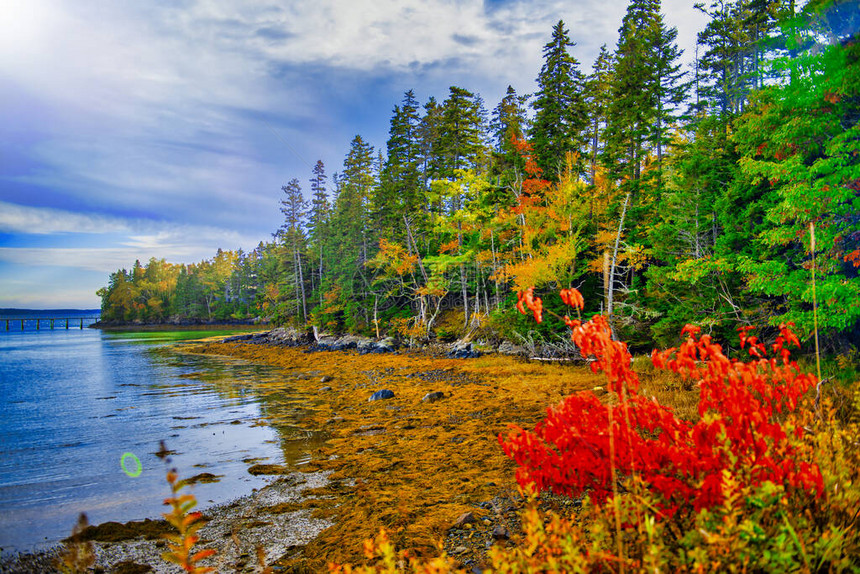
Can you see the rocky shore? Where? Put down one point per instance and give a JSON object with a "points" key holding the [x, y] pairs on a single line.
{"points": [[287, 337], [411, 446], [271, 518]]}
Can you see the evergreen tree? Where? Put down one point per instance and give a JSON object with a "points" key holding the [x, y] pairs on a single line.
{"points": [[461, 133], [320, 205], [736, 40], [646, 91], [319, 216], [428, 141], [351, 234], [561, 115], [400, 191], [671, 87], [598, 97], [294, 208], [508, 120]]}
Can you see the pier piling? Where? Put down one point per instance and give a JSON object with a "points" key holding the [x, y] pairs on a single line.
{"points": [[54, 322]]}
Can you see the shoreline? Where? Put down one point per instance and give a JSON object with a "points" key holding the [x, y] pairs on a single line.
{"points": [[192, 325], [425, 457], [267, 517], [410, 464]]}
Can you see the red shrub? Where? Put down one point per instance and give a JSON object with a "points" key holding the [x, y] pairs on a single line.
{"points": [[583, 441]]}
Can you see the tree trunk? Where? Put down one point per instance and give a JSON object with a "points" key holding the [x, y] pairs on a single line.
{"points": [[321, 275], [610, 302], [463, 281], [300, 283], [495, 269]]}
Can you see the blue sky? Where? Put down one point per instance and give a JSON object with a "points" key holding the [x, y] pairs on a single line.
{"points": [[138, 129]]}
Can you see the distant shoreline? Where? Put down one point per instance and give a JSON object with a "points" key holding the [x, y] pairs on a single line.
{"points": [[181, 324]]}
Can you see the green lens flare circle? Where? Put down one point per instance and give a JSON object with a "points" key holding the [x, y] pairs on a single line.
{"points": [[132, 473]]}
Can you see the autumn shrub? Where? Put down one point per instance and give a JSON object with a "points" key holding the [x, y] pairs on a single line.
{"points": [[762, 481], [181, 544], [77, 555]]}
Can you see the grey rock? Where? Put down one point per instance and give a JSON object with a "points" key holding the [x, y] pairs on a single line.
{"points": [[433, 397], [381, 394], [325, 389], [464, 519], [326, 379], [463, 350], [500, 533]]}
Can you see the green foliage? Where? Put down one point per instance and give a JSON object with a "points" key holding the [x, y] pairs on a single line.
{"points": [[561, 116], [717, 206]]}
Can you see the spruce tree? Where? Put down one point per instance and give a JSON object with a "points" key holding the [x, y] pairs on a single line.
{"points": [[429, 146], [598, 96], [561, 115], [400, 191], [319, 216], [508, 120], [351, 230], [461, 133], [291, 233], [647, 89]]}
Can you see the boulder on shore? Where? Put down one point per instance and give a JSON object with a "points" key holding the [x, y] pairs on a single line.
{"points": [[382, 394]]}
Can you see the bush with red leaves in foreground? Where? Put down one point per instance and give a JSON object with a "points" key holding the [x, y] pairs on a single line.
{"points": [[585, 445]]}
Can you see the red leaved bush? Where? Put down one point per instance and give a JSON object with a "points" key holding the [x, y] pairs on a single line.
{"points": [[583, 442]]}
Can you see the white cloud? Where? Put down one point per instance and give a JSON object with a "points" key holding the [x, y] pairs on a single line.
{"points": [[47, 221], [133, 239]]}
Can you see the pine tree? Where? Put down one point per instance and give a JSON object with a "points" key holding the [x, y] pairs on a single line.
{"points": [[428, 141], [561, 115], [598, 96], [671, 87], [508, 120], [319, 216], [736, 40], [294, 208], [400, 193], [352, 236], [646, 91], [461, 133]]}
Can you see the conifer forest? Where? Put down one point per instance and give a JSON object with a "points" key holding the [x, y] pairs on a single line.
{"points": [[725, 194]]}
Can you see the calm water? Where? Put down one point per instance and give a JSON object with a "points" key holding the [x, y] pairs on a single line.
{"points": [[72, 402]]}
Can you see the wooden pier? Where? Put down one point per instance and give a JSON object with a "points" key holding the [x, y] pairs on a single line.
{"points": [[67, 322]]}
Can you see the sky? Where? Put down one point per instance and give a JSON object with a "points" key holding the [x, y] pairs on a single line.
{"points": [[166, 128]]}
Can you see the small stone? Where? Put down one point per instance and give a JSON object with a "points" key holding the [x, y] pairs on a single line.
{"points": [[382, 394], [598, 391], [325, 389], [326, 378], [460, 550], [464, 519], [500, 533], [433, 397]]}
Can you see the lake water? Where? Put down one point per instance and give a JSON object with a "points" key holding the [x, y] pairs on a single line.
{"points": [[73, 402]]}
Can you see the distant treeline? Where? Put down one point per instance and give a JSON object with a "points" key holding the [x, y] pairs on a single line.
{"points": [[667, 197]]}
